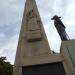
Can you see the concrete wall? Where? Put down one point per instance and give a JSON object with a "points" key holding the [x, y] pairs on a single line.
{"points": [[68, 53]]}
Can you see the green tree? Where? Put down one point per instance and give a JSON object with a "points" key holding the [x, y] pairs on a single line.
{"points": [[5, 67]]}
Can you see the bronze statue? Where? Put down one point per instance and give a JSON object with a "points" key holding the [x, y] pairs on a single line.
{"points": [[60, 27]]}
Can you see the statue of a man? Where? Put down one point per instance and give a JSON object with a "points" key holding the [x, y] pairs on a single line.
{"points": [[60, 27]]}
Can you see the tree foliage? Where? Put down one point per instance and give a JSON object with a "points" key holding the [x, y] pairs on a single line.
{"points": [[5, 67]]}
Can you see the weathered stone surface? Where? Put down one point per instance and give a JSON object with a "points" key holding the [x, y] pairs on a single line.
{"points": [[32, 40]]}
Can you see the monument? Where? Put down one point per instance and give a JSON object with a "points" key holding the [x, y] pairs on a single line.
{"points": [[34, 56], [60, 28]]}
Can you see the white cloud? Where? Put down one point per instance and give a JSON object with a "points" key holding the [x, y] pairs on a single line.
{"points": [[10, 21], [2, 35], [9, 49]]}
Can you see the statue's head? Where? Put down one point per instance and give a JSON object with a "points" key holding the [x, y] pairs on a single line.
{"points": [[55, 17]]}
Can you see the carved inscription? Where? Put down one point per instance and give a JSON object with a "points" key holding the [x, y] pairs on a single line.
{"points": [[33, 27]]}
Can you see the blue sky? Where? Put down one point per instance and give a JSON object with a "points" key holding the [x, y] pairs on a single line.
{"points": [[11, 12]]}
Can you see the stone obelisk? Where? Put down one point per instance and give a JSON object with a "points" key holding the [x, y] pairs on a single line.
{"points": [[33, 44]]}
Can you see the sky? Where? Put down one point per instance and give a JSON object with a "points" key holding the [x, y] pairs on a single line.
{"points": [[11, 13]]}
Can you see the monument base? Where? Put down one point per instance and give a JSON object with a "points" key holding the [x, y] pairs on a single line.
{"points": [[54, 64]]}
